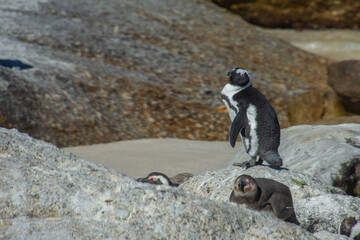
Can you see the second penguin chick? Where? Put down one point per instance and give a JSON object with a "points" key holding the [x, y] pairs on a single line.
{"points": [[158, 179], [264, 194]]}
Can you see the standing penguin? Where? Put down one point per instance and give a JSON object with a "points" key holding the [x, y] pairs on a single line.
{"points": [[253, 118], [264, 194]]}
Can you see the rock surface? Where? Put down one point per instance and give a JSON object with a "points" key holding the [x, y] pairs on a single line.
{"points": [[344, 78], [297, 14], [107, 70], [318, 207], [218, 184], [329, 153], [326, 212], [48, 193]]}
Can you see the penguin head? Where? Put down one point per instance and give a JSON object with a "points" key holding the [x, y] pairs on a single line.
{"points": [[245, 185], [156, 178], [240, 77]]}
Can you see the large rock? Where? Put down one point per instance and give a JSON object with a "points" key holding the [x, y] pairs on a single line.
{"points": [[297, 14], [218, 184], [326, 212], [329, 153], [107, 70], [318, 207], [47, 193], [344, 78]]}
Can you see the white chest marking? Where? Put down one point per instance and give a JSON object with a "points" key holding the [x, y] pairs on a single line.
{"points": [[247, 194], [251, 113], [162, 179], [229, 91]]}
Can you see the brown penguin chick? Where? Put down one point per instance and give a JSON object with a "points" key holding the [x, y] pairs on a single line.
{"points": [[157, 178], [264, 194], [181, 177], [350, 227]]}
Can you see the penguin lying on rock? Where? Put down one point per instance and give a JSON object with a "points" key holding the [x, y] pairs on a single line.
{"points": [[264, 194], [158, 178], [253, 118]]}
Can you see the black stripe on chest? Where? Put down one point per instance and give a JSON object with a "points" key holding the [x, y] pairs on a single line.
{"points": [[224, 97]]}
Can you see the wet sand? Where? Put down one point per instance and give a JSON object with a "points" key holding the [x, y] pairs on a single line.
{"points": [[333, 43]]}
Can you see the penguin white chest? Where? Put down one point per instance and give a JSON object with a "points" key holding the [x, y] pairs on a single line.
{"points": [[252, 144], [227, 95]]}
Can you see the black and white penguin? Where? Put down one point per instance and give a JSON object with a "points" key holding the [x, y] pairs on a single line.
{"points": [[264, 194], [253, 118], [157, 178]]}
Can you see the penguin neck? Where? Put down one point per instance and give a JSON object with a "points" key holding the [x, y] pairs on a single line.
{"points": [[165, 180], [231, 89]]}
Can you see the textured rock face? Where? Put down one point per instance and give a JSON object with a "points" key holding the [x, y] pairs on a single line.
{"points": [[344, 78], [327, 211], [49, 193], [297, 14], [113, 70], [330, 153], [318, 207], [218, 184]]}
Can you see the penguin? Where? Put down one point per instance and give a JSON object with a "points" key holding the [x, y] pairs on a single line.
{"points": [[350, 227], [264, 194], [181, 177], [253, 118], [158, 178]]}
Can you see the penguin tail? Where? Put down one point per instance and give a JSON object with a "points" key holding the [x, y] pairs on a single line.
{"points": [[273, 158]]}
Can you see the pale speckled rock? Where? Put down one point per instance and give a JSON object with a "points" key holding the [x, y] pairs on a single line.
{"points": [[327, 211], [324, 235], [317, 206], [329, 153], [218, 184], [48, 193]]}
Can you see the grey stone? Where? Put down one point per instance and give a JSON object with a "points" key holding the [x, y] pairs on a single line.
{"points": [[324, 235], [318, 206], [48, 193], [326, 212], [218, 184]]}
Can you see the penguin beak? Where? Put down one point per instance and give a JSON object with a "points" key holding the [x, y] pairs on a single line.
{"points": [[228, 73], [241, 185]]}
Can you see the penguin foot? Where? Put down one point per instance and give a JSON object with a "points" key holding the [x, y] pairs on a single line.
{"points": [[245, 165], [248, 164]]}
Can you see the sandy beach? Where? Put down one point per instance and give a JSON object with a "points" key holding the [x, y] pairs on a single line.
{"points": [[137, 158]]}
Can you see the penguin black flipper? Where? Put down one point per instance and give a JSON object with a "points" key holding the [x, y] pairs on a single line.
{"points": [[283, 207], [237, 125]]}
